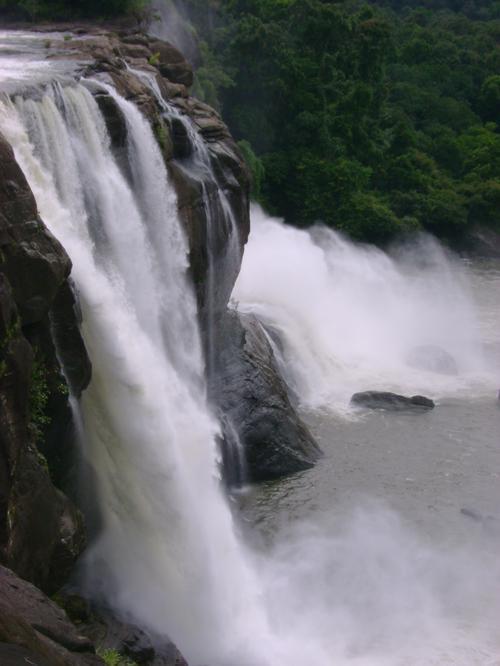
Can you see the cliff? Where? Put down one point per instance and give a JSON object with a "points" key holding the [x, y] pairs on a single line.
{"points": [[43, 358]]}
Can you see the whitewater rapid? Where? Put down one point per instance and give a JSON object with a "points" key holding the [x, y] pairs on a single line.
{"points": [[347, 316]]}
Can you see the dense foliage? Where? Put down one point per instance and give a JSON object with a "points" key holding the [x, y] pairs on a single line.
{"points": [[369, 120], [374, 118], [64, 9]]}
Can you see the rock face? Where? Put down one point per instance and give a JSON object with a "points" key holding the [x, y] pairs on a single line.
{"points": [[33, 627], [254, 397], [41, 531], [108, 631], [391, 401], [124, 61]]}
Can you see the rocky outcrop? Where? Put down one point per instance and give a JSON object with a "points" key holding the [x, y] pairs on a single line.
{"points": [[254, 398], [123, 60], [391, 401], [41, 531], [35, 630], [110, 632]]}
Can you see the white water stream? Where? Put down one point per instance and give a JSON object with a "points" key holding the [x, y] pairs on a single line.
{"points": [[167, 552]]}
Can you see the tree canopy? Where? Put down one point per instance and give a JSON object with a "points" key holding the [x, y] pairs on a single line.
{"points": [[373, 117]]}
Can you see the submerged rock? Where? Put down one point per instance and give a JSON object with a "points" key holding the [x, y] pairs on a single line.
{"points": [[392, 401], [252, 394], [433, 359]]}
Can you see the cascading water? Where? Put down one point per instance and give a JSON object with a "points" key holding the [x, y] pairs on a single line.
{"points": [[163, 555], [349, 317], [222, 237], [224, 256]]}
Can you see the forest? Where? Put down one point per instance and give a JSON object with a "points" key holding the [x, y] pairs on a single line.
{"points": [[374, 118]]}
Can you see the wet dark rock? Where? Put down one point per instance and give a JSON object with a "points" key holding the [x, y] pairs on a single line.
{"points": [[41, 532], [252, 394], [114, 118], [433, 359], [111, 632], [391, 401], [14, 655], [65, 320], [34, 624], [180, 140], [34, 262]]}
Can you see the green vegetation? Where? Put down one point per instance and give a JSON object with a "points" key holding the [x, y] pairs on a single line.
{"points": [[154, 59], [115, 658], [371, 120], [376, 118], [68, 9]]}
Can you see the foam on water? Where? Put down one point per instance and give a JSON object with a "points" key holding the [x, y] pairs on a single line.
{"points": [[348, 316]]}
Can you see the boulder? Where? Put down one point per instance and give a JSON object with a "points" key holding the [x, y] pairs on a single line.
{"points": [[171, 63], [111, 632], [433, 359], [249, 390], [31, 624], [34, 262], [391, 401]]}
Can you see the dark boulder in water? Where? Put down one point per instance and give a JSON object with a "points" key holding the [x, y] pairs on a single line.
{"points": [[392, 401], [432, 358], [252, 395]]}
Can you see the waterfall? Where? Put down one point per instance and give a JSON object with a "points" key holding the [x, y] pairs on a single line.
{"points": [[348, 317], [167, 553], [224, 255], [222, 236]]}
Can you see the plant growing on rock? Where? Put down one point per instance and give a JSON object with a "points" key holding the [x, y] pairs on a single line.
{"points": [[115, 658]]}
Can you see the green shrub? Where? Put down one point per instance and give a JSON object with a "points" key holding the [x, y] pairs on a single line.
{"points": [[154, 59], [115, 658], [257, 170]]}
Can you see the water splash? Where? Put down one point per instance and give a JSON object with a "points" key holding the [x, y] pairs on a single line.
{"points": [[162, 555], [349, 316]]}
